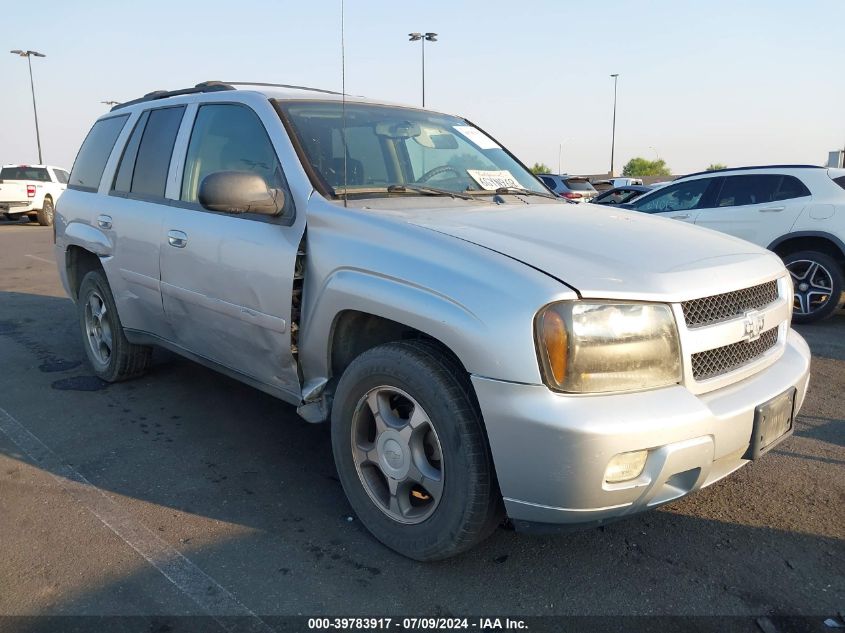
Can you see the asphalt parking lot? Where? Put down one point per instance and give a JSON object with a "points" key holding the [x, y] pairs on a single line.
{"points": [[185, 492]]}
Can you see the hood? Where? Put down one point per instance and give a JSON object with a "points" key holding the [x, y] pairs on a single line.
{"points": [[610, 253]]}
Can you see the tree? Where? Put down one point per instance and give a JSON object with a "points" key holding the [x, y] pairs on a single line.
{"points": [[540, 168], [639, 167], [716, 166]]}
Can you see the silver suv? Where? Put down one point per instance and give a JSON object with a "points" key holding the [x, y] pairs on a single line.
{"points": [[482, 348]]}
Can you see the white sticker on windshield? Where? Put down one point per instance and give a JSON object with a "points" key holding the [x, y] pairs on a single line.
{"points": [[477, 136], [492, 180]]}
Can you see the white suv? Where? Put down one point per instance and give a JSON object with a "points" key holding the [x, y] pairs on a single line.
{"points": [[797, 211]]}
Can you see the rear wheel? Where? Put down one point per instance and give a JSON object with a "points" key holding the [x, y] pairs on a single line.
{"points": [[411, 452], [818, 282], [112, 356], [46, 212]]}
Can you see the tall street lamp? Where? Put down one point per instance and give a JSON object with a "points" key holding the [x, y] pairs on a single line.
{"points": [[422, 37], [110, 103], [29, 55], [656, 153], [613, 138]]}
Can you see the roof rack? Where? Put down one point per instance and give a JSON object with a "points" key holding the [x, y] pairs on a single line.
{"points": [[716, 171], [212, 86], [205, 86]]}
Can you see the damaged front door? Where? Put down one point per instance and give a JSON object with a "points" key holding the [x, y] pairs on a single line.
{"points": [[227, 279]]}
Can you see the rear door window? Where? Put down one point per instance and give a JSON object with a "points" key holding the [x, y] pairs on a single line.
{"points": [[61, 176], [743, 190], [95, 151], [152, 163]]}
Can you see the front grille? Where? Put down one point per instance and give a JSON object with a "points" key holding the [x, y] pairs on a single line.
{"points": [[708, 310], [715, 362]]}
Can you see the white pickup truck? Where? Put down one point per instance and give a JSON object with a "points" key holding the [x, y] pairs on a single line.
{"points": [[31, 190]]}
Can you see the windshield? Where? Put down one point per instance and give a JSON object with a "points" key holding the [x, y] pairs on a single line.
{"points": [[394, 150], [24, 173]]}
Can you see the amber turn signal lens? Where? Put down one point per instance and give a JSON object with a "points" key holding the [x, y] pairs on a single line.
{"points": [[555, 341]]}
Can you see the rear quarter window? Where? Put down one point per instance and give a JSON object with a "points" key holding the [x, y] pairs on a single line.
{"points": [[95, 151]]}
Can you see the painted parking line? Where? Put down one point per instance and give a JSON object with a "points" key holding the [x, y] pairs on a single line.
{"points": [[40, 259], [185, 575]]}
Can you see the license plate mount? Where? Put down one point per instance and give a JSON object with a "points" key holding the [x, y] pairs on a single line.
{"points": [[773, 422]]}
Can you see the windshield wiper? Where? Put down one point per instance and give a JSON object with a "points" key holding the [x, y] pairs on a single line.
{"points": [[516, 190], [433, 191]]}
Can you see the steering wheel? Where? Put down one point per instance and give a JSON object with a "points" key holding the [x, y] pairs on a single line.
{"points": [[442, 169]]}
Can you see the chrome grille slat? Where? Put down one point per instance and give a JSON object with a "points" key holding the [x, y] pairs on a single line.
{"points": [[722, 360], [729, 305]]}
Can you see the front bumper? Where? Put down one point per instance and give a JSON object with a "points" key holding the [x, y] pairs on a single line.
{"points": [[551, 450]]}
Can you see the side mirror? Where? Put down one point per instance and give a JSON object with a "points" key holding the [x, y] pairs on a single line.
{"points": [[239, 192]]}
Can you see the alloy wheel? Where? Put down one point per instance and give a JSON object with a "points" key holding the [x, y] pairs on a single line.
{"points": [[397, 455]]}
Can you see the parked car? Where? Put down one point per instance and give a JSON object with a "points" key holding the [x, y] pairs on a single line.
{"points": [[573, 188], [621, 195], [606, 185], [797, 211], [32, 191], [479, 352]]}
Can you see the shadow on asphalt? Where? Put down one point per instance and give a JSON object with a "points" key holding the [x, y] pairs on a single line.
{"points": [[187, 439]]}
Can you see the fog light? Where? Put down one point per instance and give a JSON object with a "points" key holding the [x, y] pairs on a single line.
{"points": [[625, 466]]}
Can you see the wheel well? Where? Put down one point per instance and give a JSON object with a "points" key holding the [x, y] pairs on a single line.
{"points": [[356, 332], [79, 263], [811, 243]]}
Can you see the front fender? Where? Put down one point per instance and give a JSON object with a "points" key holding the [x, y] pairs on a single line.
{"points": [[414, 306]]}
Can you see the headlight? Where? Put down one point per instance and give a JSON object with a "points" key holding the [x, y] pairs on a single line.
{"points": [[601, 346]]}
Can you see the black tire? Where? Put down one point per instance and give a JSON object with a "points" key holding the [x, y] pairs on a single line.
{"points": [[46, 212], [125, 360], [470, 506], [829, 271]]}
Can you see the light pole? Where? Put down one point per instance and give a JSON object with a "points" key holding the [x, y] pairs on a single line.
{"points": [[110, 103], [613, 137], [29, 55], [656, 154], [422, 37]]}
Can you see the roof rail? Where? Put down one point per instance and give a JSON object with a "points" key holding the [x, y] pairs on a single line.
{"points": [[716, 171], [205, 86], [258, 83]]}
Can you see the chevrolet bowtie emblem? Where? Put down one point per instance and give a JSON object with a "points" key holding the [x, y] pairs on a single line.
{"points": [[754, 324]]}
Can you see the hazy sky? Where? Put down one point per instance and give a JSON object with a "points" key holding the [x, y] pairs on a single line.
{"points": [[731, 81]]}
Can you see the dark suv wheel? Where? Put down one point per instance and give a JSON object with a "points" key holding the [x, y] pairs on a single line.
{"points": [[818, 282]]}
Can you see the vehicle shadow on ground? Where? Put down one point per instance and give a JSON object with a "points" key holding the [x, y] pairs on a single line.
{"points": [[191, 442]]}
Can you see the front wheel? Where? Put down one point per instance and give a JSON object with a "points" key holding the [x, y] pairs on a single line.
{"points": [[112, 356], [818, 283], [411, 452]]}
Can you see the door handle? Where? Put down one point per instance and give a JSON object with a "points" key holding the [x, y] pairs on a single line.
{"points": [[104, 221], [177, 239], [679, 217], [771, 209]]}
